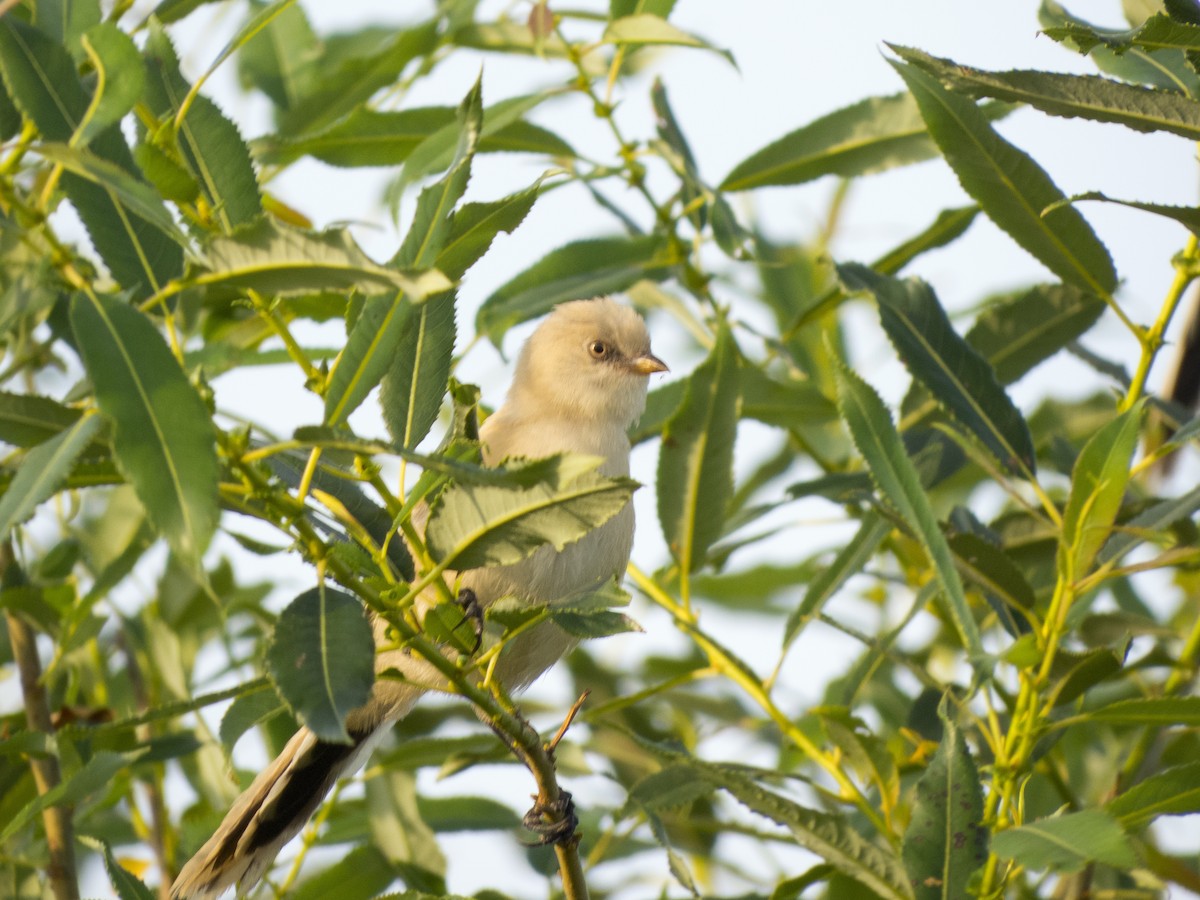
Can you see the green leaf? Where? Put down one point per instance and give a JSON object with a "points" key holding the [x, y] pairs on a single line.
{"points": [[360, 874], [281, 59], [695, 464], [276, 259], [1173, 792], [1002, 583], [1017, 333], [120, 78], [475, 226], [66, 20], [1149, 523], [661, 404], [619, 9], [1163, 69], [169, 11], [1187, 216], [322, 659], [849, 562], [94, 776], [127, 885], [878, 441], [1097, 489], [1010, 187], [415, 382], [828, 836], [132, 193], [581, 269], [1067, 843], [1073, 96], [210, 143], [343, 85], [872, 135], [478, 525], [1157, 712], [40, 77], [27, 420], [383, 325], [643, 29], [945, 841], [43, 470], [246, 711], [957, 376], [162, 434], [791, 404]]}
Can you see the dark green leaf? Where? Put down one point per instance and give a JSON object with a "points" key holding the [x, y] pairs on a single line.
{"points": [[695, 464], [1067, 843], [43, 470], [890, 466], [945, 841], [1010, 187], [246, 711], [784, 404], [1187, 216], [360, 874], [1083, 96], [958, 377], [1017, 333], [94, 776], [120, 77], [1146, 524], [162, 433], [1158, 712], [211, 144], [27, 420], [873, 135], [995, 573], [322, 659], [475, 226]]}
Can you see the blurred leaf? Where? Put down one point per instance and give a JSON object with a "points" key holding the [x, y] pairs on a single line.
{"points": [[881, 447], [661, 404], [475, 526], [872, 135], [643, 29], [246, 711], [43, 470], [276, 259], [120, 77], [954, 373], [359, 874], [94, 776], [784, 404], [1161, 515], [322, 659], [695, 463], [1010, 187], [945, 841], [581, 269], [457, 814], [342, 86], [1158, 712], [162, 433], [169, 11], [850, 559], [66, 20], [1002, 583], [1017, 333], [1067, 843], [1077, 673], [1083, 96], [211, 144], [619, 9], [1097, 489], [27, 420], [1174, 792], [127, 885], [281, 59], [397, 828]]}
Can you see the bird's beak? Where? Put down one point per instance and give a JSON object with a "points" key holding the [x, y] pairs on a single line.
{"points": [[647, 365]]}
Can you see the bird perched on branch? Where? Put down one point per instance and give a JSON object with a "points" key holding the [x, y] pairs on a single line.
{"points": [[580, 383]]}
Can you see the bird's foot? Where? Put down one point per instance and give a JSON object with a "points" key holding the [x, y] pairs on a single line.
{"points": [[559, 831], [473, 613]]}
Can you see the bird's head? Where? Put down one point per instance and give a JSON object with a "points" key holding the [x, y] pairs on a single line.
{"points": [[589, 359]]}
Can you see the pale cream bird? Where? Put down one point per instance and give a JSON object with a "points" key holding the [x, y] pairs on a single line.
{"points": [[580, 383]]}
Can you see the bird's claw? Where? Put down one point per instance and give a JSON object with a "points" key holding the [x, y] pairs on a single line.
{"points": [[561, 830], [472, 612]]}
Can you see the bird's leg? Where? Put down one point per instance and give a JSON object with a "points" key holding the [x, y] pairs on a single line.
{"points": [[563, 821], [473, 612]]}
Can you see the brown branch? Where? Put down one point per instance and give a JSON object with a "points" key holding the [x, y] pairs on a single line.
{"points": [[60, 838]]}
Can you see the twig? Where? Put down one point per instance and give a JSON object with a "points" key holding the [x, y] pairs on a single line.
{"points": [[60, 839], [562, 729]]}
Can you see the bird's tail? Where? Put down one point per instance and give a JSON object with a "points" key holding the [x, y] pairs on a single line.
{"points": [[270, 813]]}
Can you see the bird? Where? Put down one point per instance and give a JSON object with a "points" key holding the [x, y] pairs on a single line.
{"points": [[579, 384]]}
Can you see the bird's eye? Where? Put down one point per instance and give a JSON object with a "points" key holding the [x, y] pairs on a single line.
{"points": [[598, 349]]}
